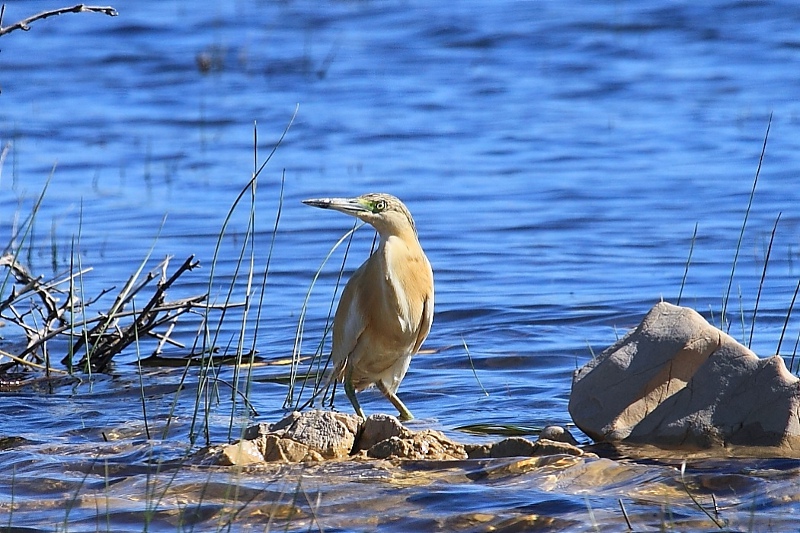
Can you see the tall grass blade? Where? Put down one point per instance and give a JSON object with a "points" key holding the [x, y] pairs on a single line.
{"points": [[207, 339], [69, 359], [786, 321], [723, 317], [298, 342], [248, 242], [142, 396], [264, 280], [716, 521], [761, 281], [625, 514], [688, 262], [324, 362], [472, 365]]}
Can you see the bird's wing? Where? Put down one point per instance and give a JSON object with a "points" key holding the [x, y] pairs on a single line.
{"points": [[349, 323], [424, 323]]}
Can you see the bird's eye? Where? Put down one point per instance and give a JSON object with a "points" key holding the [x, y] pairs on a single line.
{"points": [[380, 205]]}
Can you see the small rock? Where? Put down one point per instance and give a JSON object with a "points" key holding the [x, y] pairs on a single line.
{"points": [[285, 422], [379, 427], [558, 434], [276, 448], [427, 444], [478, 451], [256, 431], [520, 447], [552, 447], [244, 452], [512, 447]]}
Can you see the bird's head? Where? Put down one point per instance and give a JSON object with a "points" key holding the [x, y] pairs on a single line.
{"points": [[386, 213]]}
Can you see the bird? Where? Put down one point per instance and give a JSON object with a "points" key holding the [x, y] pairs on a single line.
{"points": [[386, 308]]}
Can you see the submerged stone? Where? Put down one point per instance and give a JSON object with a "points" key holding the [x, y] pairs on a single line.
{"points": [[426, 444], [522, 447], [677, 381]]}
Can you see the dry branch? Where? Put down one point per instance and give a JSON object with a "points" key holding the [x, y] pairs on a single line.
{"points": [[24, 24], [105, 345], [35, 307]]}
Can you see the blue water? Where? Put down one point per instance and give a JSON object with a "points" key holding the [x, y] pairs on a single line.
{"points": [[556, 157]]}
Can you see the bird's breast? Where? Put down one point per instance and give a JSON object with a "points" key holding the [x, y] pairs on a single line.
{"points": [[408, 284]]}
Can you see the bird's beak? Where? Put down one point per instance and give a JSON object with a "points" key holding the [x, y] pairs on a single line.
{"points": [[349, 206]]}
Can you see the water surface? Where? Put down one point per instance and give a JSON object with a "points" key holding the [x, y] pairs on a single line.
{"points": [[557, 159]]}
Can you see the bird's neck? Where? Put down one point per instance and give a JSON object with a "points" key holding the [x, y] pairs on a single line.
{"points": [[408, 237]]}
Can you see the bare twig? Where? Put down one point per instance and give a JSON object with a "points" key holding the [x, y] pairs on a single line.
{"points": [[107, 345], [42, 312], [24, 24]]}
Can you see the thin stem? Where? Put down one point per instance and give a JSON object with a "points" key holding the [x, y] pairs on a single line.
{"points": [[786, 321], [744, 224], [688, 262], [761, 282]]}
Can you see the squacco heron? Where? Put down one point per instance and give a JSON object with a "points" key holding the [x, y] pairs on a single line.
{"points": [[386, 308]]}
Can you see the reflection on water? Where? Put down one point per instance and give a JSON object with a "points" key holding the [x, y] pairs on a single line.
{"points": [[556, 159]]}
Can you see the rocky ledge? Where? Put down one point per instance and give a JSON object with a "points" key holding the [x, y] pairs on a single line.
{"points": [[325, 435]]}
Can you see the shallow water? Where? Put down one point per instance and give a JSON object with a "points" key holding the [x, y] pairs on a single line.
{"points": [[556, 159]]}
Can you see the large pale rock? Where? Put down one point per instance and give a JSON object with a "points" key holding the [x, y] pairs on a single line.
{"points": [[676, 380]]}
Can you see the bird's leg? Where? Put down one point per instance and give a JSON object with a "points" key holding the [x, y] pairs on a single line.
{"points": [[350, 391], [405, 414]]}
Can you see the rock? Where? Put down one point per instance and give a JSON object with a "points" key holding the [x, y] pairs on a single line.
{"points": [[553, 447], [509, 447], [244, 452], [521, 447], [558, 434], [321, 435], [426, 444], [275, 448], [285, 422], [379, 427], [331, 435], [256, 431], [677, 381]]}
